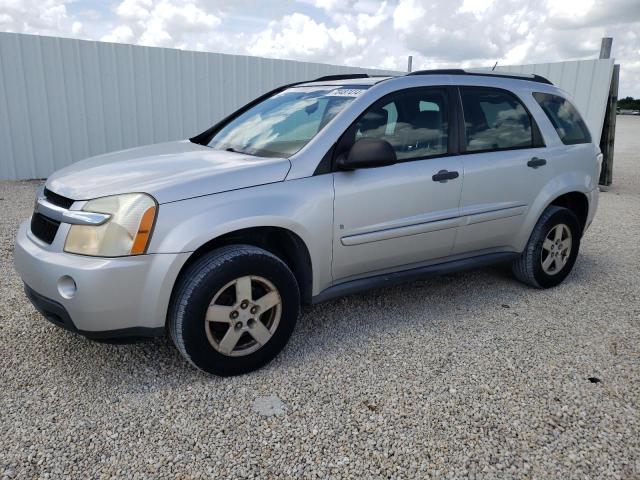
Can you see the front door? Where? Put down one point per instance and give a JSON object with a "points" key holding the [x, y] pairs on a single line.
{"points": [[388, 218]]}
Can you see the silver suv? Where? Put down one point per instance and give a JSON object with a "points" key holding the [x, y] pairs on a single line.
{"points": [[315, 190]]}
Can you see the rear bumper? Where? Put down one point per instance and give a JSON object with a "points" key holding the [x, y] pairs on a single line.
{"points": [[112, 295], [594, 196]]}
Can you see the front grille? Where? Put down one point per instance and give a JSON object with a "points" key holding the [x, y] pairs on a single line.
{"points": [[44, 228], [58, 200]]}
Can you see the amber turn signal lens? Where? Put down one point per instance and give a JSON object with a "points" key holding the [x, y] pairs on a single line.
{"points": [[144, 232]]}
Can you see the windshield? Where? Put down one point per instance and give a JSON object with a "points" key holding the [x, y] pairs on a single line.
{"points": [[284, 123]]}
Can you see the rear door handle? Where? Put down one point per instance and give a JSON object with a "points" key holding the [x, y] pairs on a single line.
{"points": [[536, 162], [444, 175]]}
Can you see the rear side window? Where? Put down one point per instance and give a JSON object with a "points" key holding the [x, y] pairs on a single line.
{"points": [[564, 117], [495, 120]]}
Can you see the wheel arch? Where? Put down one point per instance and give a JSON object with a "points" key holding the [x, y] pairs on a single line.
{"points": [[577, 202], [280, 241], [570, 190]]}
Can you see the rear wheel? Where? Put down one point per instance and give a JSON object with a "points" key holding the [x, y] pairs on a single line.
{"points": [[234, 310], [552, 249]]}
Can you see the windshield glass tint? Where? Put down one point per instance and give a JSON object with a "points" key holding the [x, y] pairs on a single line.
{"points": [[284, 123]]}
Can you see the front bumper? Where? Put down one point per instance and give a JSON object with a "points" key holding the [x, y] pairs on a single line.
{"points": [[125, 296]]}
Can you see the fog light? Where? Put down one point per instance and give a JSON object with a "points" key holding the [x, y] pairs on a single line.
{"points": [[66, 287]]}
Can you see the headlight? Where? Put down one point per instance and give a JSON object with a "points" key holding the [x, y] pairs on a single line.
{"points": [[127, 232]]}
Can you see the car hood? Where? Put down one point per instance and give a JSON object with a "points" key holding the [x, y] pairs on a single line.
{"points": [[169, 171]]}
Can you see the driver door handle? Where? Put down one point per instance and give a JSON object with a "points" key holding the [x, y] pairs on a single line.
{"points": [[444, 175], [536, 162]]}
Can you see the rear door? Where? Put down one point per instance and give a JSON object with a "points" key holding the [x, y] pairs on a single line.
{"points": [[394, 216], [504, 166]]}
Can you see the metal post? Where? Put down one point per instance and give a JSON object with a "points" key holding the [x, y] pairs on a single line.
{"points": [[605, 47], [409, 63], [609, 130]]}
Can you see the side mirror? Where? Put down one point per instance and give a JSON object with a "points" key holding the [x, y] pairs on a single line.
{"points": [[367, 153]]}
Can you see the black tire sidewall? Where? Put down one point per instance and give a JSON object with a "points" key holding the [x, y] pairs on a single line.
{"points": [[200, 351], [561, 215]]}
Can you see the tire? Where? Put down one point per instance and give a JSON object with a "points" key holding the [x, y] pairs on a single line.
{"points": [[221, 276], [529, 269]]}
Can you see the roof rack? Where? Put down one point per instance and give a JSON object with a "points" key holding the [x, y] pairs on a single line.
{"points": [[459, 71], [344, 76]]}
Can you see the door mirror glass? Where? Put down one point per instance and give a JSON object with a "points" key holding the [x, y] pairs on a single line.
{"points": [[367, 153]]}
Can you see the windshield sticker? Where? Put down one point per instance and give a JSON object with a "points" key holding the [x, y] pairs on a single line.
{"points": [[346, 92]]}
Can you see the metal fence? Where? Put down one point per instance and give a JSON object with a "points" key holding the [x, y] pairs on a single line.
{"points": [[62, 100]]}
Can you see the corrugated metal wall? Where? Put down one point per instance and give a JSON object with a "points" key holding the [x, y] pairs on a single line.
{"points": [[587, 80], [62, 100]]}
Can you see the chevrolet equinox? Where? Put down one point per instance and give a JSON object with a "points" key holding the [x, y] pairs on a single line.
{"points": [[314, 190]]}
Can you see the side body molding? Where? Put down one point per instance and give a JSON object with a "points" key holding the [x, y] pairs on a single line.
{"points": [[432, 223]]}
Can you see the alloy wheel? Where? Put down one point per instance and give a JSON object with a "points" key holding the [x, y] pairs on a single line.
{"points": [[556, 249], [243, 315]]}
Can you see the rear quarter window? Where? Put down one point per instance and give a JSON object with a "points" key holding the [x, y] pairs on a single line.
{"points": [[564, 117]]}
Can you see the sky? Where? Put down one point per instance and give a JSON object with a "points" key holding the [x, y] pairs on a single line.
{"points": [[363, 33]]}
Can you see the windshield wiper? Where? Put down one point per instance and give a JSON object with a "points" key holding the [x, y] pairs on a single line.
{"points": [[234, 150]]}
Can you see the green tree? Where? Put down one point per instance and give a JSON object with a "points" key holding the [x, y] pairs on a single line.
{"points": [[629, 103]]}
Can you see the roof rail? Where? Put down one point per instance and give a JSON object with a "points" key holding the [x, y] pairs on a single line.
{"points": [[344, 76], [459, 71], [439, 71]]}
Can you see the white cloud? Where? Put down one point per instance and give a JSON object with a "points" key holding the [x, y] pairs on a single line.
{"points": [[299, 36], [407, 14], [475, 6], [77, 28], [326, 4], [568, 9], [371, 33], [134, 9], [166, 23], [46, 17], [120, 34], [450, 33], [365, 20]]}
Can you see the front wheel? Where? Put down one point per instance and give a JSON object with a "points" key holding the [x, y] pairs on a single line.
{"points": [[234, 310], [552, 249]]}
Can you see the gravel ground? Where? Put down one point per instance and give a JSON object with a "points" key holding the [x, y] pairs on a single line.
{"points": [[470, 374]]}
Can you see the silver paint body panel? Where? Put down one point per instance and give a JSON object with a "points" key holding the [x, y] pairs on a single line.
{"points": [[395, 215], [168, 171], [354, 224]]}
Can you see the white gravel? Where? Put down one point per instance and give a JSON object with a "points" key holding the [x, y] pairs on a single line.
{"points": [[470, 374]]}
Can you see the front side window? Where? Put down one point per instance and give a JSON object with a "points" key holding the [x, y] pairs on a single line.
{"points": [[284, 123], [415, 123], [495, 120], [564, 117]]}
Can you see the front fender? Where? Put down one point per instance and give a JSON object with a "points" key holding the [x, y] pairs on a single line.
{"points": [[303, 206]]}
